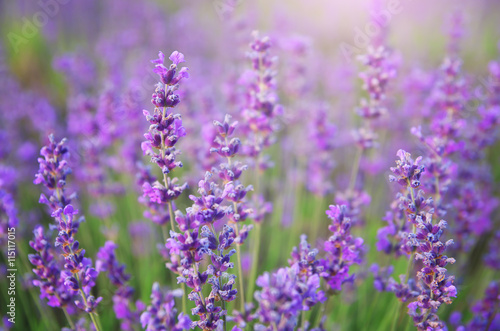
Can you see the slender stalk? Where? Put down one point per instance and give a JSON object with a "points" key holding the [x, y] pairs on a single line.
{"points": [[68, 317], [240, 274], [255, 256], [355, 170], [93, 316], [398, 314], [171, 212], [220, 278], [323, 310], [201, 292], [238, 250], [303, 320], [184, 294]]}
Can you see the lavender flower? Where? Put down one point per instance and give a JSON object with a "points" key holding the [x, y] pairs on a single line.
{"points": [[8, 212], [486, 316], [49, 272], [79, 275], [342, 249], [164, 132], [261, 101], [122, 298], [161, 314], [393, 238], [320, 167], [434, 286], [492, 258], [282, 297]]}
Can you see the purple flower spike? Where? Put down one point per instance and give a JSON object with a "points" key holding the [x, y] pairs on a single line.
{"points": [[342, 249], [79, 275], [164, 132], [50, 277], [407, 170], [162, 314]]}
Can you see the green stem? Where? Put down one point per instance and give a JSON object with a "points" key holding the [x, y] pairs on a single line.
{"points": [[238, 250], [171, 213], [323, 309], [240, 274], [355, 170], [184, 294], [303, 318], [68, 317], [255, 256]]}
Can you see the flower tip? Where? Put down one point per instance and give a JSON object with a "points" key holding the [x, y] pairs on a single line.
{"points": [[177, 57]]}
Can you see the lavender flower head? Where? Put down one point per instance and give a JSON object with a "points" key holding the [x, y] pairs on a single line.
{"points": [[79, 274], [342, 249], [164, 132], [49, 272], [287, 292], [261, 100], [162, 314]]}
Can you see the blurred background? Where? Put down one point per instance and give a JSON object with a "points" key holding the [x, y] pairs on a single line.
{"points": [[81, 70]]}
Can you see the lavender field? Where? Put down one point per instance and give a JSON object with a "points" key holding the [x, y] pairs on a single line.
{"points": [[262, 165]]}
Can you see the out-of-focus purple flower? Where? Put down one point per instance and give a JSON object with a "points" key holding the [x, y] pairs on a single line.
{"points": [[122, 298], [48, 271], [8, 211], [161, 314], [279, 302], [288, 291], [322, 135], [492, 259], [379, 71], [342, 249], [486, 315], [260, 106]]}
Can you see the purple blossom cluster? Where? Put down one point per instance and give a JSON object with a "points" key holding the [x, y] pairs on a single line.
{"points": [[260, 106], [221, 197], [460, 181], [379, 71], [123, 305], [420, 240], [321, 165], [486, 316], [342, 249], [164, 131], [287, 292], [78, 274], [202, 275], [162, 314], [50, 273]]}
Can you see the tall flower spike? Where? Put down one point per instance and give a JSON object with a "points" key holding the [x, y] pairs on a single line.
{"points": [[79, 275], [164, 132], [342, 249], [417, 237]]}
